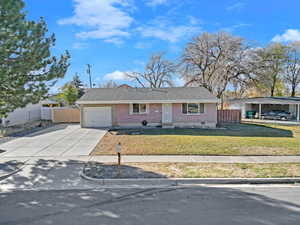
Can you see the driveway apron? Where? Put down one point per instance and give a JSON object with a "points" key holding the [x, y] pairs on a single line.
{"points": [[58, 140]]}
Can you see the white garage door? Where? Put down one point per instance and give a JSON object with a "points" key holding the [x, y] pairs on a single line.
{"points": [[97, 116]]}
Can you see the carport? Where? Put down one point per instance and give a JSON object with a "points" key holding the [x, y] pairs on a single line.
{"points": [[253, 108]]}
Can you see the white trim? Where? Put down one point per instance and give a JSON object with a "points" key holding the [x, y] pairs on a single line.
{"points": [[149, 101], [139, 113], [269, 103], [298, 113], [167, 108], [193, 114]]}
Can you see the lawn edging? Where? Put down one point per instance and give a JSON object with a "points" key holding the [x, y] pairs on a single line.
{"points": [[187, 181]]}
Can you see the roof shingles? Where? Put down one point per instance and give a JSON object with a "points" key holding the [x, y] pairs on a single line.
{"points": [[129, 94]]}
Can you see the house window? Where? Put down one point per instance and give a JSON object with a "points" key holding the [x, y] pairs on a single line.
{"points": [[192, 108], [139, 108]]}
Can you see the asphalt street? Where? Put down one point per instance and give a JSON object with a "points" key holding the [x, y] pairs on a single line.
{"points": [[218, 205]]}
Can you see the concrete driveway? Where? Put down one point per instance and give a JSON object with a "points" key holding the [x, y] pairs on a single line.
{"points": [[59, 140]]}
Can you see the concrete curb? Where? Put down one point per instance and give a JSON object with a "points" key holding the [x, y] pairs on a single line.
{"points": [[187, 181], [2, 177]]}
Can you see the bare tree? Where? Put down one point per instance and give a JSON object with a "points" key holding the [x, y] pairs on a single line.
{"points": [[292, 67], [109, 84], [158, 73], [214, 61], [270, 67]]}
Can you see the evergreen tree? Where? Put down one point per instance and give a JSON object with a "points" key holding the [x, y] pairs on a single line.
{"points": [[78, 84], [27, 68]]}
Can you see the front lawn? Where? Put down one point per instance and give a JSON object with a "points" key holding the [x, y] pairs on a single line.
{"points": [[193, 170], [240, 139]]}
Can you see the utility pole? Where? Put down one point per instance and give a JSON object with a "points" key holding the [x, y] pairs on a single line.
{"points": [[88, 71]]}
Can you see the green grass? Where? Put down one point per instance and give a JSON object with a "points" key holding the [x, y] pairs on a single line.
{"points": [[244, 170], [241, 139]]}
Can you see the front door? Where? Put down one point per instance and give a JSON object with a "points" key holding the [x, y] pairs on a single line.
{"points": [[166, 113]]}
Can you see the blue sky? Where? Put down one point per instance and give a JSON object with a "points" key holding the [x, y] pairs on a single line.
{"points": [[120, 35]]}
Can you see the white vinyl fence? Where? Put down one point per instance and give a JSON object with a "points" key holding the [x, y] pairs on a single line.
{"points": [[23, 115], [46, 113]]}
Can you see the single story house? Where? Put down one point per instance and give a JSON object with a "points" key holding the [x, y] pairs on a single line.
{"points": [[134, 107], [261, 105]]}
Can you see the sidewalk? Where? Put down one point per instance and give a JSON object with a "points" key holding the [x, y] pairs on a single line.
{"points": [[159, 158], [61, 173]]}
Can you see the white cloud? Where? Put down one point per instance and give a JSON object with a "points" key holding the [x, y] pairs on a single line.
{"points": [[236, 7], [101, 19], [116, 41], [172, 33], [102, 34], [179, 82], [153, 3], [116, 75], [288, 35], [143, 45], [79, 45], [54, 89], [139, 63], [194, 21], [163, 30], [236, 26], [97, 79]]}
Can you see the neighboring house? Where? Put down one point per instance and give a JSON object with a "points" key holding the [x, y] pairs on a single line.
{"points": [[50, 103], [133, 107], [255, 107]]}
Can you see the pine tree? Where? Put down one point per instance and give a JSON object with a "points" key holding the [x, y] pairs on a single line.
{"points": [[27, 68], [78, 84]]}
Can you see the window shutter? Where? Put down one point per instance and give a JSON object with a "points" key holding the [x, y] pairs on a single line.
{"points": [[184, 108], [201, 108]]}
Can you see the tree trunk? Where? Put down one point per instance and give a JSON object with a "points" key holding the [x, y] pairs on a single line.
{"points": [[222, 103], [272, 91], [293, 93], [273, 86]]}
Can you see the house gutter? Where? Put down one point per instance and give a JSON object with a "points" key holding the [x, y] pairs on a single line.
{"points": [[81, 102]]}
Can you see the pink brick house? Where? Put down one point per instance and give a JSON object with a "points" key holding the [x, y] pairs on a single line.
{"points": [[136, 107]]}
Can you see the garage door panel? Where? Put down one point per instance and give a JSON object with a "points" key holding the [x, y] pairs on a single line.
{"points": [[97, 116]]}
